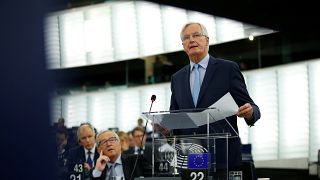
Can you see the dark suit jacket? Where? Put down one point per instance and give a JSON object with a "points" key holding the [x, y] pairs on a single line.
{"points": [[147, 152], [221, 76], [128, 163], [77, 155]]}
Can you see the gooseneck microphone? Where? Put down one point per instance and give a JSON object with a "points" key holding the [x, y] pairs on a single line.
{"points": [[153, 98]]}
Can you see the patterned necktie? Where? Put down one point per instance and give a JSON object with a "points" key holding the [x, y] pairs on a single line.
{"points": [[196, 84], [89, 160]]}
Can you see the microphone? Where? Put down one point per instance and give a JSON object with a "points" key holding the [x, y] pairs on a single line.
{"points": [[153, 98]]}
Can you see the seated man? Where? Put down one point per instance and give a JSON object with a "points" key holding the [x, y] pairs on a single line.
{"points": [[62, 146], [110, 162], [86, 153], [62, 151]]}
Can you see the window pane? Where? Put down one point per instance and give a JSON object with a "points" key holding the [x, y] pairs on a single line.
{"points": [[262, 85], [208, 21], [72, 40], [75, 110], [52, 41], [172, 27], [124, 27], [98, 37], [314, 79], [293, 111], [150, 28], [102, 110], [228, 30], [128, 106]]}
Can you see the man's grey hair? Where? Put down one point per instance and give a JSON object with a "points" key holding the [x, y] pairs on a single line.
{"points": [[85, 124], [202, 27], [105, 131]]}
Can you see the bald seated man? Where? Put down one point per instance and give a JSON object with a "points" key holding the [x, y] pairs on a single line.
{"points": [[86, 152]]}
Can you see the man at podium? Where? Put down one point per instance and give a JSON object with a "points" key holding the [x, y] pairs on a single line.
{"points": [[205, 80]]}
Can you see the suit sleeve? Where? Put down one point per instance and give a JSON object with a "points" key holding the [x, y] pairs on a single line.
{"points": [[240, 93], [102, 174]]}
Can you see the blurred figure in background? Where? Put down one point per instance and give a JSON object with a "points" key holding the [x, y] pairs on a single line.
{"points": [[62, 146], [62, 151], [132, 144], [140, 123], [141, 147], [60, 124], [124, 140]]}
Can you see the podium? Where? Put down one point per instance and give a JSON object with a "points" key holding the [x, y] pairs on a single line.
{"points": [[191, 143]]}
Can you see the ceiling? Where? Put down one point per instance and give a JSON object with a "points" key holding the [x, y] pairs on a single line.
{"points": [[286, 16]]}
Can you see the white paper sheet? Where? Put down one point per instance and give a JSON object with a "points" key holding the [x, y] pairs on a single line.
{"points": [[226, 105]]}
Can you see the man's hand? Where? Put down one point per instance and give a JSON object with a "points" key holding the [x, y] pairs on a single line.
{"points": [[101, 162], [164, 131], [245, 111], [86, 166]]}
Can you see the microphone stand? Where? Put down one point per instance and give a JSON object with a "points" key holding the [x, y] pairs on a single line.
{"points": [[153, 98]]}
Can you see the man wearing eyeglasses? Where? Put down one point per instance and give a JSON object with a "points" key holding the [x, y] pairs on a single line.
{"points": [[205, 80], [111, 164], [141, 146]]}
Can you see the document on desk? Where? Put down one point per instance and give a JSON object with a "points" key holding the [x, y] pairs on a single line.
{"points": [[224, 107]]}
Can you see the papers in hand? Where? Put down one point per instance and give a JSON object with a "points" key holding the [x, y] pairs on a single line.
{"points": [[224, 107], [221, 109]]}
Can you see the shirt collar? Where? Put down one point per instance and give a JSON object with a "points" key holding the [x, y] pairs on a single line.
{"points": [[136, 148], [91, 150], [203, 63], [118, 161]]}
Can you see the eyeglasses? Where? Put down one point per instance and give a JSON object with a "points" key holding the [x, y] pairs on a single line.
{"points": [[195, 35], [111, 140], [138, 136]]}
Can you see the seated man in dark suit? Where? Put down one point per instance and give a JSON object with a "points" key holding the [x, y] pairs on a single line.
{"points": [[86, 153], [62, 151], [62, 146], [110, 162]]}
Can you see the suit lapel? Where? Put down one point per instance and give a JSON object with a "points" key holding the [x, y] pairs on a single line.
{"points": [[82, 154], [96, 156], [126, 168], [211, 68], [186, 85]]}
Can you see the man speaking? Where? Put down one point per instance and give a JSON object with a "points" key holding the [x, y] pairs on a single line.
{"points": [[205, 80]]}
